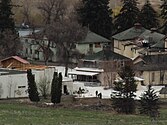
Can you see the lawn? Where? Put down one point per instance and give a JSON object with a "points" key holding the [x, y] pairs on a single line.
{"points": [[22, 114]]}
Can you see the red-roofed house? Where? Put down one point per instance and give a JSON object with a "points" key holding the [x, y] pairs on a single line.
{"points": [[14, 62]]}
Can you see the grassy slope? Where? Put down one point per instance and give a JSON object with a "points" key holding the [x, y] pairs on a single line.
{"points": [[19, 114]]}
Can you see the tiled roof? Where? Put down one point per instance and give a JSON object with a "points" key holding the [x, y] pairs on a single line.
{"points": [[106, 55], [92, 37]]}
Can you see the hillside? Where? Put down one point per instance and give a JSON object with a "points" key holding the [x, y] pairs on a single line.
{"points": [[33, 4]]}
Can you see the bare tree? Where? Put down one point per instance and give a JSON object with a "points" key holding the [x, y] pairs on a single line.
{"points": [[65, 34], [52, 10], [26, 11], [43, 86]]}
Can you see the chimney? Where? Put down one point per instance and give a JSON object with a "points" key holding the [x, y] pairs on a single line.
{"points": [[153, 30], [137, 26]]}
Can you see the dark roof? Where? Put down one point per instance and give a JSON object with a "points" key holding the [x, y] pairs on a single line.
{"points": [[92, 37], [5, 71], [106, 55], [152, 36], [152, 63], [163, 90], [140, 32], [129, 34]]}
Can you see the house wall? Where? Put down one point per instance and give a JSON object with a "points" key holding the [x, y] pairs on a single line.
{"points": [[125, 50], [13, 86], [31, 50], [69, 85], [153, 77], [85, 48], [12, 63]]}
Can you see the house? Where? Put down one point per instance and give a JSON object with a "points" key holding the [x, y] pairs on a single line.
{"points": [[101, 66], [136, 40], [14, 62], [33, 48], [152, 68], [93, 43]]}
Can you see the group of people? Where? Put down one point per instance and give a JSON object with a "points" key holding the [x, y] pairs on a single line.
{"points": [[99, 95]]}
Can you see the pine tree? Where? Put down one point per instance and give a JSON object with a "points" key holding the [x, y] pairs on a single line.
{"points": [[53, 88], [32, 88], [149, 103], [9, 38], [124, 101], [163, 14], [148, 16], [59, 89], [128, 16], [6, 20], [96, 15], [56, 88]]}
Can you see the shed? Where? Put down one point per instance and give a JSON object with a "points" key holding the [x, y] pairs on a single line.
{"points": [[14, 62]]}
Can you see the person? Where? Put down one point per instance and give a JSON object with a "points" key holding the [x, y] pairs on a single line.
{"points": [[96, 93], [100, 95]]}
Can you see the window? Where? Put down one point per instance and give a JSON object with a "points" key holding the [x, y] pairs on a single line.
{"points": [[97, 45], [32, 41], [153, 77], [116, 44], [26, 50], [30, 51], [36, 52], [21, 86], [26, 40]]}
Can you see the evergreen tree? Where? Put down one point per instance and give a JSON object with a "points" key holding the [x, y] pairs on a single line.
{"points": [[56, 89], [149, 104], [128, 16], [148, 16], [53, 88], [96, 15], [32, 88], [9, 39], [59, 89], [6, 20], [164, 15], [124, 101]]}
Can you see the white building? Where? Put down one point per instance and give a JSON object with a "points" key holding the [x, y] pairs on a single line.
{"points": [[13, 83]]}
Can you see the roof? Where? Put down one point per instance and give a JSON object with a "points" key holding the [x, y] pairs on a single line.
{"points": [[129, 33], [5, 71], [139, 32], [26, 32], [89, 69], [92, 37], [152, 36], [163, 90], [106, 55], [16, 58], [152, 63], [83, 73]]}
